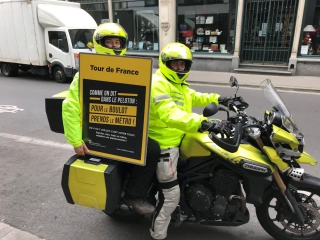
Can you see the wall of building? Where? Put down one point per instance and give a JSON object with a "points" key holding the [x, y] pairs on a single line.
{"points": [[168, 28], [308, 68]]}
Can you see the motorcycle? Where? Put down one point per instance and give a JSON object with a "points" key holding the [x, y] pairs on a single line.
{"points": [[259, 164]]}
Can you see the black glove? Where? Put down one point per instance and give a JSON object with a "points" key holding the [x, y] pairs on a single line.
{"points": [[206, 126], [223, 128], [224, 100], [216, 127]]}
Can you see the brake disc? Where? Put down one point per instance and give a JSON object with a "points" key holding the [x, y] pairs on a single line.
{"points": [[311, 224]]}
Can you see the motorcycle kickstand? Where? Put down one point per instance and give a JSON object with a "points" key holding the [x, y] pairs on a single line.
{"points": [[180, 218]]}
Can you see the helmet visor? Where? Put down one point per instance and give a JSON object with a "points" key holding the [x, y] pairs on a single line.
{"points": [[116, 43], [179, 65]]}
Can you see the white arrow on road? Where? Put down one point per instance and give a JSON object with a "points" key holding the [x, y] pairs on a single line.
{"points": [[9, 109]]}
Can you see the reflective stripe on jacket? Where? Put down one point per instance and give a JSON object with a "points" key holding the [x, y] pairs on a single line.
{"points": [[71, 114], [171, 110]]}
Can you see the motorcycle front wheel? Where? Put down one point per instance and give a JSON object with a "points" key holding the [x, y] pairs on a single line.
{"points": [[281, 227], [123, 213]]}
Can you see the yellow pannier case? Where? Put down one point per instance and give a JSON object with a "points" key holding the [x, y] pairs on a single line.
{"points": [[92, 182]]}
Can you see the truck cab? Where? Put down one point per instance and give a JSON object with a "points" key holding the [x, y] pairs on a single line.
{"points": [[63, 47], [44, 37], [65, 37]]}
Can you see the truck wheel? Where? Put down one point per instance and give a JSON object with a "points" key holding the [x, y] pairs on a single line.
{"points": [[7, 71], [59, 75]]}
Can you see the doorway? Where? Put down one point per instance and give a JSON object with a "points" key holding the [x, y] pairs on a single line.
{"points": [[268, 31]]}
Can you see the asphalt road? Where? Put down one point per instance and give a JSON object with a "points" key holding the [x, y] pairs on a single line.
{"points": [[32, 157]]}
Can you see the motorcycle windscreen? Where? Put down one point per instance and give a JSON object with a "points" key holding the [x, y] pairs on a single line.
{"points": [[92, 182]]}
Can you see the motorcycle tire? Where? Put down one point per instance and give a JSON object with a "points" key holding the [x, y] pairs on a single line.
{"points": [[286, 229], [124, 213]]}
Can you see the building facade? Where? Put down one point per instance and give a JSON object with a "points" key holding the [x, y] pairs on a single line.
{"points": [[271, 36]]}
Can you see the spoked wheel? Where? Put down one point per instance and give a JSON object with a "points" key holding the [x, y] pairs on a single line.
{"points": [[275, 222], [123, 213]]}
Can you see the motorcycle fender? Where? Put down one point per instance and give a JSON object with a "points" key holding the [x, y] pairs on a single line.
{"points": [[308, 182], [306, 158], [92, 183]]}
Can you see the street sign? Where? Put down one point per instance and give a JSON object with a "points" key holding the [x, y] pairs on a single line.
{"points": [[114, 98]]}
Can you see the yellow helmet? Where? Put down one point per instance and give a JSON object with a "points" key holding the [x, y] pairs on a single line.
{"points": [[175, 51], [110, 30]]}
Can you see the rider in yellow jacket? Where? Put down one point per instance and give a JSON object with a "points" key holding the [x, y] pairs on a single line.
{"points": [[170, 118], [111, 38]]}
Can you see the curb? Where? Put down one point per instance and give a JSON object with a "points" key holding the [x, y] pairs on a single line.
{"points": [[284, 88], [8, 232]]}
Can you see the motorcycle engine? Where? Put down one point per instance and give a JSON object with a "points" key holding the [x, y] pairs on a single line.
{"points": [[199, 197]]}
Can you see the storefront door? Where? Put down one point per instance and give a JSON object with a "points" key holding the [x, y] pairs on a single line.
{"points": [[268, 30]]}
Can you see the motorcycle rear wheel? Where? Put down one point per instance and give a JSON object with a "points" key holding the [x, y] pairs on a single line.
{"points": [[124, 213], [287, 229]]}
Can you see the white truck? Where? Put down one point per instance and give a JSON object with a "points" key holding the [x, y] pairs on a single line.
{"points": [[43, 36]]}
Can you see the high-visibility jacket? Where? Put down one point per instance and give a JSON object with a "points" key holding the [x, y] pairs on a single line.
{"points": [[71, 114], [171, 110]]}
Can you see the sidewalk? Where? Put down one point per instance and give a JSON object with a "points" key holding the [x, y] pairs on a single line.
{"points": [[291, 83], [10, 233]]}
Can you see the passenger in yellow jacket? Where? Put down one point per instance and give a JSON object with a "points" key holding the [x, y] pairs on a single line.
{"points": [[170, 118], [111, 38]]}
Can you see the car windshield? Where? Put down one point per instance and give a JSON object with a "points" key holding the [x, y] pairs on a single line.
{"points": [[277, 102], [81, 37]]}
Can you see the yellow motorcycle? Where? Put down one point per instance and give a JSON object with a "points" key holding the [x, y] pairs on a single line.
{"points": [[259, 164], [266, 157]]}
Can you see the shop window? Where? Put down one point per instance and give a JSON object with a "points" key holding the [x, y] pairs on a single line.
{"points": [[141, 22], [207, 26], [310, 34]]}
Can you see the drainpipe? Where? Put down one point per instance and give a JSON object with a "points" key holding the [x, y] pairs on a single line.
{"points": [[296, 40], [238, 35], [167, 22], [110, 10]]}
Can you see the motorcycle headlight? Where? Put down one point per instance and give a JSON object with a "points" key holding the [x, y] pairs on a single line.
{"points": [[275, 118]]}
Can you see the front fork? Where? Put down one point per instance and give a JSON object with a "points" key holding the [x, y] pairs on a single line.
{"points": [[255, 133], [289, 198]]}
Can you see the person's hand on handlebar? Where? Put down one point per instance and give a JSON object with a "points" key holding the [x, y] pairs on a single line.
{"points": [[224, 100], [216, 127]]}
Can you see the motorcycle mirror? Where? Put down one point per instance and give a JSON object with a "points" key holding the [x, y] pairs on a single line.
{"points": [[210, 110], [234, 82]]}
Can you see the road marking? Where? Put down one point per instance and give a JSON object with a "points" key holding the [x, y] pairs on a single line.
{"points": [[9, 109], [36, 141]]}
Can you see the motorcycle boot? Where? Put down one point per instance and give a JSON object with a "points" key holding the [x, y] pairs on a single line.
{"points": [[140, 177], [140, 205]]}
